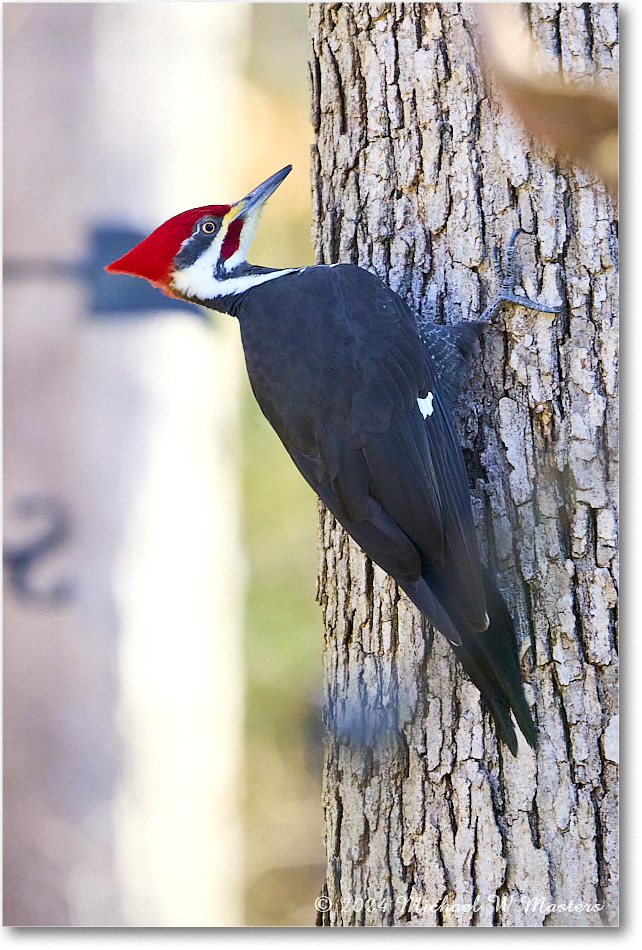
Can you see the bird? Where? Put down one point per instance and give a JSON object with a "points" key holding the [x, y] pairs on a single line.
{"points": [[359, 391]]}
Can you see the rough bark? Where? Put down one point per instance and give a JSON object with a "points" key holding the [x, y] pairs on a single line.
{"points": [[418, 172]]}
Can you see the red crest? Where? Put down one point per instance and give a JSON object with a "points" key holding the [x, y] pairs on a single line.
{"points": [[152, 257]]}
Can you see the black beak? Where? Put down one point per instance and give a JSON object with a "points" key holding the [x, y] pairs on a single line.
{"points": [[258, 195]]}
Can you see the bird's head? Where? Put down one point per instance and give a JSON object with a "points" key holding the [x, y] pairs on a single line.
{"points": [[193, 254]]}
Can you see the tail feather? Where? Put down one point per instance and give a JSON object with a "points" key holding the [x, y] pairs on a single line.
{"points": [[491, 660]]}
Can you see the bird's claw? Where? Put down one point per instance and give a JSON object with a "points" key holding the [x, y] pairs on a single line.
{"points": [[507, 276]]}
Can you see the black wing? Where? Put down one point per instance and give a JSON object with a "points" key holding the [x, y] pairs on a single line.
{"points": [[337, 365], [338, 373]]}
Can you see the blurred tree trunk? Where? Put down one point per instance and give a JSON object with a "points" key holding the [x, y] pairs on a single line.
{"points": [[418, 172], [122, 761]]}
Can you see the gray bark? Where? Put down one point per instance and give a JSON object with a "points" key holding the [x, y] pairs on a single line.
{"points": [[418, 172]]}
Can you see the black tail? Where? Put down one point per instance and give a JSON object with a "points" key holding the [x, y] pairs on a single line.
{"points": [[491, 661]]}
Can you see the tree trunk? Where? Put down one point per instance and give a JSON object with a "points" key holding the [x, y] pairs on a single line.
{"points": [[418, 172]]}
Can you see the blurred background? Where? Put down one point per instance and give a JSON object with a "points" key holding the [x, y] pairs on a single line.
{"points": [[162, 738]]}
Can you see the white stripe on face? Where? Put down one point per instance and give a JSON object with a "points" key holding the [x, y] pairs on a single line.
{"points": [[200, 282]]}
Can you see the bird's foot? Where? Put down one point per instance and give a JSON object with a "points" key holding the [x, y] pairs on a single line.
{"points": [[507, 280]]}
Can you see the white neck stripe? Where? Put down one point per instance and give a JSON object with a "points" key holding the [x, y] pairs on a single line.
{"points": [[194, 282]]}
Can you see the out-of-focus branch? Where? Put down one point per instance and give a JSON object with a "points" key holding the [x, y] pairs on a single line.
{"points": [[578, 121]]}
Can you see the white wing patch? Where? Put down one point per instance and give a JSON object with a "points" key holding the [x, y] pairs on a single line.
{"points": [[426, 406]]}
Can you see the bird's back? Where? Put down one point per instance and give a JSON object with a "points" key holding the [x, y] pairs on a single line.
{"points": [[338, 367]]}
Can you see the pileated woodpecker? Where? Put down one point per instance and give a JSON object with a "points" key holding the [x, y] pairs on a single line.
{"points": [[358, 392]]}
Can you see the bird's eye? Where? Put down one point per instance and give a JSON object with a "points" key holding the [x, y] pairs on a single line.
{"points": [[208, 227]]}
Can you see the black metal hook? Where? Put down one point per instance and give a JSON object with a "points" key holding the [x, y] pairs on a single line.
{"points": [[20, 560]]}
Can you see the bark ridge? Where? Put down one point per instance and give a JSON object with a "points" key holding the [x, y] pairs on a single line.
{"points": [[418, 171]]}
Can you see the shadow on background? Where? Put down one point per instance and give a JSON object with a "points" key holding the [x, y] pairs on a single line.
{"points": [[162, 754]]}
